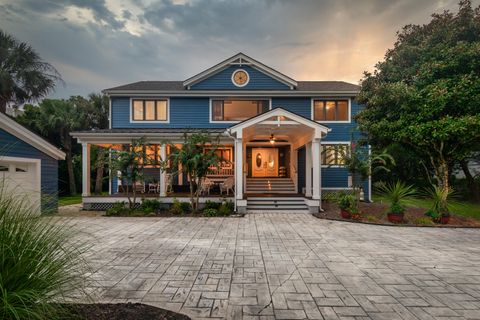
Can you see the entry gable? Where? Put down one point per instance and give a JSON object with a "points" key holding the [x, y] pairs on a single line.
{"points": [[240, 72], [278, 116]]}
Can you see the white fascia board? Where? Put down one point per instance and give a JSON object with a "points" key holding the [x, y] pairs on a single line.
{"points": [[22, 133]]}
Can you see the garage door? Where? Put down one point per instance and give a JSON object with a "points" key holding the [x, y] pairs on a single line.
{"points": [[21, 178]]}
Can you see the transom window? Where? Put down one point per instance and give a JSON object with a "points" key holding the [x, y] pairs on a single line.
{"points": [[330, 110], [334, 154], [237, 110], [149, 110]]}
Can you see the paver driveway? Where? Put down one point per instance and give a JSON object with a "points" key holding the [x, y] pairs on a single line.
{"points": [[286, 266]]}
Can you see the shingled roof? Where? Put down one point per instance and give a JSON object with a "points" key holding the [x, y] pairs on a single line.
{"points": [[176, 86]]}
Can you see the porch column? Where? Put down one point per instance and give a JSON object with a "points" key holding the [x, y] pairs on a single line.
{"points": [[163, 174], [238, 169], [308, 170], [316, 193], [85, 169]]}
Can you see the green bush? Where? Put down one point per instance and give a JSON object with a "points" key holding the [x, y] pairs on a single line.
{"points": [[210, 212], [346, 201], [397, 194], [225, 209], [150, 205], [176, 207], [212, 204], [118, 209], [186, 207], [39, 263]]}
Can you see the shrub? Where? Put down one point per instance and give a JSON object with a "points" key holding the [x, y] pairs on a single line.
{"points": [[210, 212], [150, 205], [176, 207], [39, 263], [346, 201], [440, 201], [423, 221], [118, 209], [397, 194], [212, 204], [225, 209], [186, 207]]}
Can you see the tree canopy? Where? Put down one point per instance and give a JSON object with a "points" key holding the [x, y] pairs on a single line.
{"points": [[24, 77], [425, 93]]}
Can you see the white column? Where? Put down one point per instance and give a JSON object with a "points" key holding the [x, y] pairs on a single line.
{"points": [[238, 169], [163, 174], [308, 170], [85, 169], [316, 193]]}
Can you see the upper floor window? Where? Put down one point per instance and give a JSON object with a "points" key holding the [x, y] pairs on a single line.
{"points": [[334, 154], [149, 110], [237, 110], [331, 110]]}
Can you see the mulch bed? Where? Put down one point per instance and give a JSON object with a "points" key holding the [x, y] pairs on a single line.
{"points": [[375, 213], [120, 311]]}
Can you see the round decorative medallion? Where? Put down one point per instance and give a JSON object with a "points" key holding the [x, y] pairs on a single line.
{"points": [[240, 78]]}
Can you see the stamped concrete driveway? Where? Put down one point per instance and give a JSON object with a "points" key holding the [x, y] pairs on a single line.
{"points": [[286, 266]]}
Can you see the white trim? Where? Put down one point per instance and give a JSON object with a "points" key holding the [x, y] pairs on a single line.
{"points": [[278, 112], [312, 110], [244, 60], [109, 113], [130, 115], [37, 162], [12, 127], [233, 78], [210, 120], [370, 177]]}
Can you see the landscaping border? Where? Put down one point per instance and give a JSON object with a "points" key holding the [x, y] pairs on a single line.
{"points": [[446, 226]]}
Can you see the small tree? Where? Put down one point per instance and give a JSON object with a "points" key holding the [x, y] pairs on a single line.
{"points": [[196, 156], [361, 164], [130, 162]]}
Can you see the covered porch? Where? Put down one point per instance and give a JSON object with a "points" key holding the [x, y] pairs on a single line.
{"points": [[165, 185], [259, 144]]}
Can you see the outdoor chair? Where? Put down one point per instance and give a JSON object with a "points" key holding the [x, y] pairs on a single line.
{"points": [[205, 186], [227, 185]]}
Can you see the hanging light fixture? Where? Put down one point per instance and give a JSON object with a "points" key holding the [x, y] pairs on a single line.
{"points": [[272, 139]]}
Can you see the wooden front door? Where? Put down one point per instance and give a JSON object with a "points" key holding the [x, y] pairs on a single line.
{"points": [[264, 162]]}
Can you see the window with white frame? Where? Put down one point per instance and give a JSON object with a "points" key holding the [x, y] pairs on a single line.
{"points": [[331, 110], [334, 154], [149, 110]]}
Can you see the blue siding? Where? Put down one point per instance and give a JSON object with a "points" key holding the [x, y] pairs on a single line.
{"points": [[184, 113], [334, 177], [300, 106], [222, 80], [11, 146], [345, 131]]}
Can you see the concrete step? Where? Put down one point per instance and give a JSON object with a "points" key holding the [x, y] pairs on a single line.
{"points": [[276, 203]]}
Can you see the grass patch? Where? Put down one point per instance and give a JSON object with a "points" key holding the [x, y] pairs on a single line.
{"points": [[465, 209], [68, 200]]}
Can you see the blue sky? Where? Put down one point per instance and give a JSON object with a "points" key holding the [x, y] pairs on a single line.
{"points": [[96, 44]]}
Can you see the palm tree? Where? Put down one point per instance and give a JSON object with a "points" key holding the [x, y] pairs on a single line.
{"points": [[24, 76], [60, 117]]}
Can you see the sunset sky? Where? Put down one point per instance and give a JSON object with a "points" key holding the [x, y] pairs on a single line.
{"points": [[97, 44]]}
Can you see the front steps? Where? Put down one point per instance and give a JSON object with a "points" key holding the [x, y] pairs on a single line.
{"points": [[270, 185], [276, 203]]}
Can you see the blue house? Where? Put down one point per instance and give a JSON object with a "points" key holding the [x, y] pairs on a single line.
{"points": [[28, 166], [283, 140]]}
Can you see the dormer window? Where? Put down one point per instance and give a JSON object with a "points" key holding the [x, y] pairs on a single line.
{"points": [[153, 110]]}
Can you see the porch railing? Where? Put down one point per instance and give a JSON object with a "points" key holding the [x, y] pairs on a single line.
{"points": [[222, 171]]}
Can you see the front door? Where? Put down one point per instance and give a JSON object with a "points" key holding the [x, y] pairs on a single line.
{"points": [[264, 162]]}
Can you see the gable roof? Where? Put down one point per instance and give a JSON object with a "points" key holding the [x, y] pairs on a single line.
{"points": [[241, 59], [22, 133]]}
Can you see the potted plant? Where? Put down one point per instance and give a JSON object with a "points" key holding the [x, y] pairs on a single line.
{"points": [[439, 212], [397, 194], [346, 202]]}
